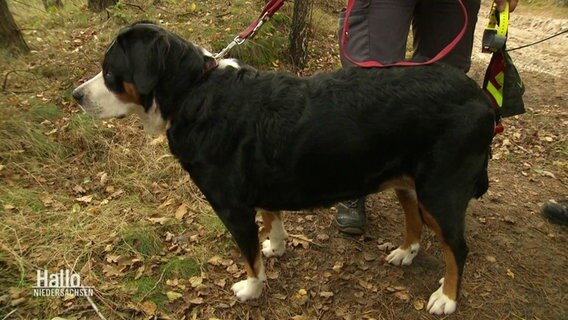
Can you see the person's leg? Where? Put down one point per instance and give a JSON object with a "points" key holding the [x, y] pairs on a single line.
{"points": [[378, 31], [437, 22]]}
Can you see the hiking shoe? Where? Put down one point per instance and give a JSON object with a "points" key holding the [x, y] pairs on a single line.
{"points": [[556, 212], [350, 217]]}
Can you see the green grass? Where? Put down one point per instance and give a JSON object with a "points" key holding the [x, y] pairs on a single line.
{"points": [[148, 288], [152, 287], [563, 150], [181, 268], [21, 198], [23, 136], [40, 111], [212, 224], [48, 147], [83, 124], [143, 240]]}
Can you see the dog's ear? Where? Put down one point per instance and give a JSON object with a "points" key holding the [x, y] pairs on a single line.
{"points": [[146, 58], [208, 63], [149, 66]]}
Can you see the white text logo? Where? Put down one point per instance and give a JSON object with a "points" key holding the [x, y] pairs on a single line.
{"points": [[59, 284]]}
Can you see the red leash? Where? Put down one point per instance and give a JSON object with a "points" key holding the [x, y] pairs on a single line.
{"points": [[377, 64], [269, 10], [273, 5]]}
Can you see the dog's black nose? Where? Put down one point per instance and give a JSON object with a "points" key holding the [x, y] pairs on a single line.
{"points": [[78, 95]]}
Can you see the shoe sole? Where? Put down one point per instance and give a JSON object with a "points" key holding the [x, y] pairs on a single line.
{"points": [[350, 230]]}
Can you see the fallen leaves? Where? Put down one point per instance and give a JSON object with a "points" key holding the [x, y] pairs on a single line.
{"points": [[103, 179], [160, 220], [322, 237], [419, 304], [300, 297], [181, 211], [196, 281], [148, 307], [85, 199], [400, 292], [300, 240], [172, 295], [218, 261], [369, 256], [387, 246], [197, 300], [166, 203], [337, 266]]}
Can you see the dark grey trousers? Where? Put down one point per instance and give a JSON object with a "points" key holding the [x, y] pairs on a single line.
{"points": [[378, 30]]}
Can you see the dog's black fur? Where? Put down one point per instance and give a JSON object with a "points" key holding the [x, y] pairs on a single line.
{"points": [[252, 139]]}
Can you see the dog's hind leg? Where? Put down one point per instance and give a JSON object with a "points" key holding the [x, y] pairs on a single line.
{"points": [[446, 217], [404, 254], [244, 229], [275, 245]]}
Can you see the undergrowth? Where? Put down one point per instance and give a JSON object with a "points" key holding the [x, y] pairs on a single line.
{"points": [[101, 198]]}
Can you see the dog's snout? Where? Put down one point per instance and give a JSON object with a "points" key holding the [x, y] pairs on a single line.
{"points": [[78, 95]]}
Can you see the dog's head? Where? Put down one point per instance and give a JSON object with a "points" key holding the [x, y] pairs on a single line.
{"points": [[142, 62]]}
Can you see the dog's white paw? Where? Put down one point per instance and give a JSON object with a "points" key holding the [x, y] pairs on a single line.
{"points": [[440, 303], [273, 248], [250, 288], [403, 257]]}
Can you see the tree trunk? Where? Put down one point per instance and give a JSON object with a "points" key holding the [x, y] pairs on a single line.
{"points": [[299, 35], [10, 35], [100, 5], [48, 4]]}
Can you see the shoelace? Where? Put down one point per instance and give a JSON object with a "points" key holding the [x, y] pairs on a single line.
{"points": [[351, 203]]}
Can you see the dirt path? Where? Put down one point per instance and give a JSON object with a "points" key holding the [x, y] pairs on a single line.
{"points": [[550, 57]]}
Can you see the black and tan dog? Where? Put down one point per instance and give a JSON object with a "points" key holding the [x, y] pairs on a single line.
{"points": [[270, 141]]}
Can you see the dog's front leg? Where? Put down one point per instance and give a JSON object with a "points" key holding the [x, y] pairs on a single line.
{"points": [[244, 229], [405, 253], [275, 245]]}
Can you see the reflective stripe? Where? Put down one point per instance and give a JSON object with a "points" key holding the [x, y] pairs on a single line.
{"points": [[500, 78], [497, 94]]}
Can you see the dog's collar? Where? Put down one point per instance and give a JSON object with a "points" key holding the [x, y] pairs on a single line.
{"points": [[210, 65]]}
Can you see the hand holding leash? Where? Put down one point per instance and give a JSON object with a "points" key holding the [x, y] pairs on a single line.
{"points": [[495, 34], [501, 4]]}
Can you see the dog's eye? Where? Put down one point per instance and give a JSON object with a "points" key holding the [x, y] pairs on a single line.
{"points": [[108, 75]]}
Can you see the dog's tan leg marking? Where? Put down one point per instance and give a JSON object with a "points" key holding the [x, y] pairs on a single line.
{"points": [[404, 254], [408, 202], [251, 288], [255, 270], [275, 245], [443, 300], [267, 218]]}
